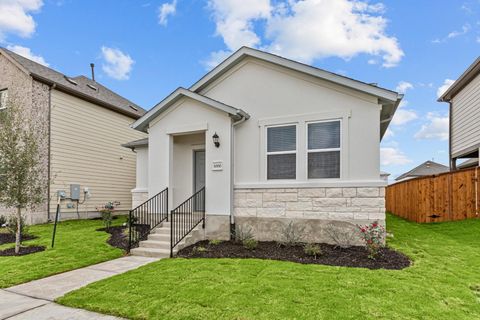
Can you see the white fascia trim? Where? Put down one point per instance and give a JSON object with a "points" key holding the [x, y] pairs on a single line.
{"points": [[142, 123], [139, 190], [312, 184], [294, 65]]}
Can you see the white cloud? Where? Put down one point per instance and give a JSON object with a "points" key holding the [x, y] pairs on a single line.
{"points": [[307, 30], [403, 86], [393, 156], [454, 34], [435, 129], [15, 17], [166, 10], [313, 29], [234, 23], [402, 115], [27, 53], [118, 65], [444, 87]]}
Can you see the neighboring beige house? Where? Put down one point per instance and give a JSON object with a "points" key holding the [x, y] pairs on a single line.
{"points": [[428, 168], [464, 99], [271, 141], [81, 126]]}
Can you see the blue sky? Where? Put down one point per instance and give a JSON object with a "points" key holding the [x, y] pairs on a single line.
{"points": [[144, 49]]}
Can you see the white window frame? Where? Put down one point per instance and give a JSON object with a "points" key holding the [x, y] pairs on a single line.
{"points": [[308, 151], [267, 153]]}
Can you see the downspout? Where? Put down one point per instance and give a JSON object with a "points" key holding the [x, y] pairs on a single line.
{"points": [[52, 87], [244, 117]]}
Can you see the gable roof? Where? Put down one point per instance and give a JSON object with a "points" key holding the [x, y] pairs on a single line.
{"points": [[469, 74], [84, 88], [142, 123], [427, 168], [388, 98]]}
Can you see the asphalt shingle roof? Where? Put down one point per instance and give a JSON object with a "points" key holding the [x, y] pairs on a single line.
{"points": [[427, 168], [84, 87]]}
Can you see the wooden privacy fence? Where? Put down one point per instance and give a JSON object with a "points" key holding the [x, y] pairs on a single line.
{"points": [[445, 197]]}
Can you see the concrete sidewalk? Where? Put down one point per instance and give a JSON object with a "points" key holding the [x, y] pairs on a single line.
{"points": [[34, 300]]}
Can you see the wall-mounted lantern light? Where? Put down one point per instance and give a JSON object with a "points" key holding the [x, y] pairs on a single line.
{"points": [[216, 140]]}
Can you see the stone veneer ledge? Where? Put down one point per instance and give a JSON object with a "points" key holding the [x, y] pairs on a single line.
{"points": [[338, 204]]}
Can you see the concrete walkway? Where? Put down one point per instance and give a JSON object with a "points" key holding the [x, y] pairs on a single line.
{"points": [[34, 300]]}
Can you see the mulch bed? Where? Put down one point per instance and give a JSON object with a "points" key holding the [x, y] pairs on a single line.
{"points": [[23, 251], [119, 237], [10, 238], [331, 255]]}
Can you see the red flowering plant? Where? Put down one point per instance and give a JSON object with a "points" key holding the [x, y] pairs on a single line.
{"points": [[374, 237]]}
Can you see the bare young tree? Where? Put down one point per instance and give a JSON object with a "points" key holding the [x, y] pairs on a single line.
{"points": [[21, 182]]}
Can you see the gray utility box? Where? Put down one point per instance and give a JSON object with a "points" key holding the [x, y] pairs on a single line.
{"points": [[75, 192]]}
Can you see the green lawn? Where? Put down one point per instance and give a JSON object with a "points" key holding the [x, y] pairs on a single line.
{"points": [[77, 245], [443, 283]]}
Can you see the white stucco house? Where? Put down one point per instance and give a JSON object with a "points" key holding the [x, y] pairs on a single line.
{"points": [[293, 142]]}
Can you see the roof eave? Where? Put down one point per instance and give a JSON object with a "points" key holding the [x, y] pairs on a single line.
{"points": [[85, 97], [467, 76], [384, 125], [244, 52], [142, 123]]}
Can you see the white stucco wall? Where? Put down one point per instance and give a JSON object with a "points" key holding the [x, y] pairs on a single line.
{"points": [[142, 169], [275, 95], [187, 117]]}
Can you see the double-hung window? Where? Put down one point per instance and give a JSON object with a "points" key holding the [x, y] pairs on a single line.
{"points": [[282, 152], [3, 99], [323, 149]]}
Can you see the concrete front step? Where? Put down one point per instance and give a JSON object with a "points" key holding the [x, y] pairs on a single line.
{"points": [[159, 237], [158, 243], [155, 244], [151, 252]]}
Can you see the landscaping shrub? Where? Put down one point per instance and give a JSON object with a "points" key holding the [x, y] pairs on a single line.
{"points": [[107, 214], [312, 249], [243, 233], [200, 249], [291, 234], [341, 237], [374, 237], [3, 221], [250, 244]]}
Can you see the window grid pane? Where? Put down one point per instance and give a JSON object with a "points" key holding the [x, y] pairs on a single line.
{"points": [[282, 138], [282, 166], [324, 135], [324, 164]]}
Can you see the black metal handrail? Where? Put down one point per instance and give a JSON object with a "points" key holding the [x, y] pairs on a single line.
{"points": [[144, 218], [186, 217]]}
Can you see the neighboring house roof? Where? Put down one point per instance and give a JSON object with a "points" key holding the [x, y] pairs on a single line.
{"points": [[461, 82], [427, 168], [383, 173], [388, 98], [137, 143], [142, 123], [79, 86], [473, 162]]}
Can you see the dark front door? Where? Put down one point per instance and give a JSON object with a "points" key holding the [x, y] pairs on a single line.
{"points": [[198, 170]]}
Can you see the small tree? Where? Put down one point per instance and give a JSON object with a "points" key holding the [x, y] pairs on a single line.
{"points": [[21, 180]]}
